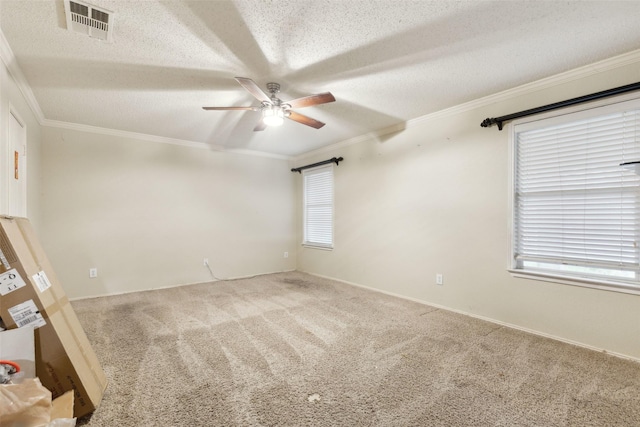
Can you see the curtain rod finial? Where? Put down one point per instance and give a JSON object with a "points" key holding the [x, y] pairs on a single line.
{"points": [[486, 122]]}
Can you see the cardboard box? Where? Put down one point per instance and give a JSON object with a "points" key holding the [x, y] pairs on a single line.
{"points": [[30, 294]]}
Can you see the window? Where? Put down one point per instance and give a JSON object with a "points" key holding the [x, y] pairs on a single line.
{"points": [[576, 211], [318, 206]]}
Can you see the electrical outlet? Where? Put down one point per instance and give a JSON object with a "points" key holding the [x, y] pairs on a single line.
{"points": [[93, 273], [439, 279], [205, 262], [286, 254]]}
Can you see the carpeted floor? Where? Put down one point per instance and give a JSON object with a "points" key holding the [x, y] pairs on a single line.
{"points": [[292, 349]]}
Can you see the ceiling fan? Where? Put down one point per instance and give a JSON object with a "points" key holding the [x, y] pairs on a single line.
{"points": [[274, 110]]}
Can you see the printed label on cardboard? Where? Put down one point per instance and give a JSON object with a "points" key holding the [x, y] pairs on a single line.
{"points": [[42, 281], [4, 261], [10, 281], [27, 314]]}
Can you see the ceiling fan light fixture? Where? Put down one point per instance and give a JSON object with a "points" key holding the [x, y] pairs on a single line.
{"points": [[273, 111], [273, 116]]}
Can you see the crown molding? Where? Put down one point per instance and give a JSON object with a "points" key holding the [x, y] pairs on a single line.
{"points": [[155, 138], [126, 134], [9, 59], [619, 61], [7, 56], [257, 154]]}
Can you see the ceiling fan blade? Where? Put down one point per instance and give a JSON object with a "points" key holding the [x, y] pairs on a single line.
{"points": [[260, 126], [232, 108], [297, 117], [308, 101], [253, 89]]}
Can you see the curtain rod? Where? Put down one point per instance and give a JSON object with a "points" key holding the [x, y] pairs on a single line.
{"points": [[569, 102], [335, 160]]}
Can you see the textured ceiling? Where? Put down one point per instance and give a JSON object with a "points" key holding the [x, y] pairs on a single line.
{"points": [[386, 62]]}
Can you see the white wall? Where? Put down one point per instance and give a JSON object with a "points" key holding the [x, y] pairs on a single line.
{"points": [[11, 99], [145, 214], [434, 198], [430, 199]]}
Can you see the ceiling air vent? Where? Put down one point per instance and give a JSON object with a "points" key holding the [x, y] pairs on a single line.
{"points": [[90, 20]]}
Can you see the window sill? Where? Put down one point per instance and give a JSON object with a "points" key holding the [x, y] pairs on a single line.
{"points": [[312, 246], [604, 285]]}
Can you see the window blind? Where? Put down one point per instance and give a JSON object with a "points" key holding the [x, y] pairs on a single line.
{"points": [[318, 206], [576, 209]]}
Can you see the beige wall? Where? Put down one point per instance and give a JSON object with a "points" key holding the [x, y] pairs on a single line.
{"points": [[12, 100], [430, 199], [434, 198], [145, 214]]}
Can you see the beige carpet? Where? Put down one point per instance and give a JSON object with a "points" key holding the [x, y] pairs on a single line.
{"points": [[292, 349]]}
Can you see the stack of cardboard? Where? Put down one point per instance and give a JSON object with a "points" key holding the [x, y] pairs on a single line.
{"points": [[30, 294]]}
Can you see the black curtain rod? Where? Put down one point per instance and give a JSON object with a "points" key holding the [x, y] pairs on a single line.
{"points": [[335, 160], [569, 102]]}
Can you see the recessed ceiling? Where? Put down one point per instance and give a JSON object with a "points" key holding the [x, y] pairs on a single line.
{"points": [[386, 62]]}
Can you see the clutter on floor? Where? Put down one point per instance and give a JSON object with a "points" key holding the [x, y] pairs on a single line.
{"points": [[32, 300]]}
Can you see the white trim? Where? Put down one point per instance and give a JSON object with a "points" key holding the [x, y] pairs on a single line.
{"points": [[576, 112], [511, 188], [248, 276], [13, 112], [305, 223], [548, 82], [591, 105], [603, 285], [312, 246], [7, 56], [9, 59], [155, 138], [257, 153], [127, 134], [486, 319]]}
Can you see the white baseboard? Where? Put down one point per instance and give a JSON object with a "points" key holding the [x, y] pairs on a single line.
{"points": [[111, 294], [487, 319]]}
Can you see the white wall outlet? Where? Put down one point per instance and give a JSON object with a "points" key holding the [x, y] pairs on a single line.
{"points": [[205, 262], [286, 254], [93, 273], [439, 279]]}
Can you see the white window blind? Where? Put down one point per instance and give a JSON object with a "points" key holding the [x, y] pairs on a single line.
{"points": [[318, 206], [576, 210]]}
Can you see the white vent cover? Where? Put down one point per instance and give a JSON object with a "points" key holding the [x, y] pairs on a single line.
{"points": [[88, 19]]}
